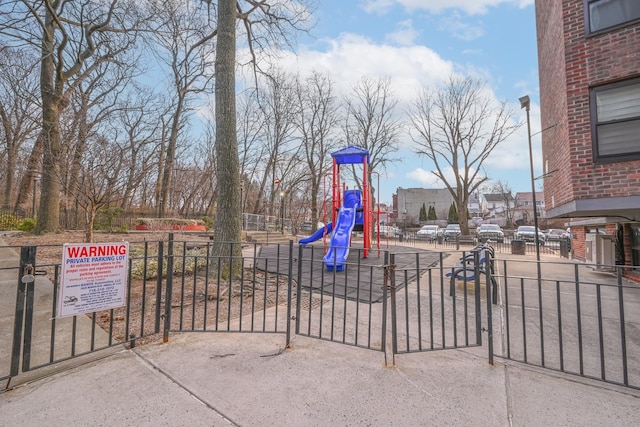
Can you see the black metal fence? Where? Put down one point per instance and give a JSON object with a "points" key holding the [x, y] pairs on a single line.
{"points": [[572, 319]]}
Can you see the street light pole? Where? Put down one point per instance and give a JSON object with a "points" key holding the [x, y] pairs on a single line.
{"points": [[282, 194], [35, 177], [525, 102]]}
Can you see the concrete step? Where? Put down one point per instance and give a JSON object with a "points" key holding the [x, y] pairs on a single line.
{"points": [[269, 237]]}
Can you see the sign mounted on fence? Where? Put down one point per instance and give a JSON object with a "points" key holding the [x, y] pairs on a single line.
{"points": [[94, 277]]}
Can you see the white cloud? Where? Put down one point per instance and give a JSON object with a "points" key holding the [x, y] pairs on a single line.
{"points": [[513, 154], [379, 7], [470, 7], [460, 29], [425, 179], [350, 57], [405, 36]]}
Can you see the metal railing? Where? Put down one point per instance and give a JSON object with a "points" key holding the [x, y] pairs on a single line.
{"points": [[572, 319]]}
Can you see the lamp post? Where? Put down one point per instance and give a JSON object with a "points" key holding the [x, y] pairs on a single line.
{"points": [[282, 194], [35, 176], [525, 103]]}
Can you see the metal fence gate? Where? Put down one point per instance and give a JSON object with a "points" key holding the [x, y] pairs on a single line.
{"points": [[574, 320]]}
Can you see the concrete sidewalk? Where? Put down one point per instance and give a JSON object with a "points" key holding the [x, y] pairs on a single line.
{"points": [[249, 379], [203, 379]]}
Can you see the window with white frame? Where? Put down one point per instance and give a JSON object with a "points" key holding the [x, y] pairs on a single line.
{"points": [[603, 14], [615, 121]]}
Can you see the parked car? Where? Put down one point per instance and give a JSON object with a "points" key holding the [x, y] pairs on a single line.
{"points": [[388, 230], [429, 232], [452, 231], [556, 235], [527, 233], [490, 232]]}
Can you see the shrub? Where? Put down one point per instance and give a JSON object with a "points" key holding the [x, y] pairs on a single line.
{"points": [[8, 221], [105, 218], [208, 222], [27, 224]]}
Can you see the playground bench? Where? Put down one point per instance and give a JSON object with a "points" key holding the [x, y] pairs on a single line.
{"points": [[466, 269]]}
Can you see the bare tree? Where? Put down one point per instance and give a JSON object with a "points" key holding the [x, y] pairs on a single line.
{"points": [[100, 180], [279, 109], [139, 132], [18, 117], [182, 38], [504, 189], [457, 127], [250, 147], [71, 36], [266, 25], [318, 117], [372, 123], [93, 109]]}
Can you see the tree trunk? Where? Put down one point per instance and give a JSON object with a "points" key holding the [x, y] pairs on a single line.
{"points": [[49, 211], [33, 164], [167, 173], [228, 222], [92, 210]]}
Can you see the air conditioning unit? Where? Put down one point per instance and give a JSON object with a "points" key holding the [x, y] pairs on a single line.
{"points": [[606, 252], [600, 250], [589, 247]]}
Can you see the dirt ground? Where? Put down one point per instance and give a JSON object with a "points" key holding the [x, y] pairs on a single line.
{"points": [[198, 302]]}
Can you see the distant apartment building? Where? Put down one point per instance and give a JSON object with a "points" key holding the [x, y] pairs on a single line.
{"points": [[589, 68], [497, 204], [523, 210], [409, 201], [477, 205]]}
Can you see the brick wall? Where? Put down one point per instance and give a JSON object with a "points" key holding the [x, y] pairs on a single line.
{"points": [[586, 61]]}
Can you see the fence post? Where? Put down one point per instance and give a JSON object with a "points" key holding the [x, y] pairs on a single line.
{"points": [[169, 291], [289, 292], [489, 283], [160, 258], [25, 276], [389, 284]]}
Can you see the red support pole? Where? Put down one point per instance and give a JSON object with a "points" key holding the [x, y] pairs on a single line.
{"points": [[366, 227]]}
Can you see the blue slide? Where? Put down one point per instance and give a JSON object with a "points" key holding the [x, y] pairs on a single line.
{"points": [[348, 217], [317, 235], [338, 251]]}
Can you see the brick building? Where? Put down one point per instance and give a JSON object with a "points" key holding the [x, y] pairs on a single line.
{"points": [[589, 67]]}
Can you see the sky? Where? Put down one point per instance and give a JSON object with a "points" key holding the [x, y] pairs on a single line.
{"points": [[420, 43]]}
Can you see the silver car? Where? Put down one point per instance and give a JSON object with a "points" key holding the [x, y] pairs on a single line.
{"points": [[490, 232], [429, 232], [527, 233]]}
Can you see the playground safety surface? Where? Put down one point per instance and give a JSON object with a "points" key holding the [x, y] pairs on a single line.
{"points": [[362, 278]]}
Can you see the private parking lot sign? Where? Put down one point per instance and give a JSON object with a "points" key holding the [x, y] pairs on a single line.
{"points": [[94, 277]]}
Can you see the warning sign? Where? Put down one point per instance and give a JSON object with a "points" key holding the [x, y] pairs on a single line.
{"points": [[94, 277]]}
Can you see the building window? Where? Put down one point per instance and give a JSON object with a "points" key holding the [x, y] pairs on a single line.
{"points": [[603, 14], [615, 121]]}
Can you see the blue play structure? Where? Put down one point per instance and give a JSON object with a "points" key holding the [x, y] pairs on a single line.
{"points": [[349, 216], [348, 212]]}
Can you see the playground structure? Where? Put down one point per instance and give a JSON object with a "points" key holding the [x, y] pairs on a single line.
{"points": [[350, 211]]}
